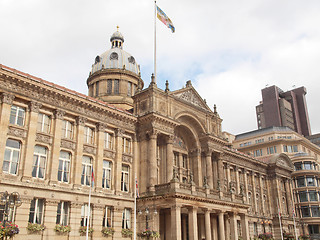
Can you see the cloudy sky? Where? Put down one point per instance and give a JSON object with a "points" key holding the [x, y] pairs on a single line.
{"points": [[229, 49]]}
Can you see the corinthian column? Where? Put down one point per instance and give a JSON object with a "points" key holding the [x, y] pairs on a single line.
{"points": [[209, 168]]}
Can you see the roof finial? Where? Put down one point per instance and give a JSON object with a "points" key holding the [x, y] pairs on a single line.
{"points": [[117, 28], [167, 86]]}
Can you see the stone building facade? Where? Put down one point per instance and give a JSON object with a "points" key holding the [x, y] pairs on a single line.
{"points": [[192, 184], [265, 143]]}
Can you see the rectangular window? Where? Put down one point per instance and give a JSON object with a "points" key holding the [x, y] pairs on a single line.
{"points": [[64, 166], [109, 86], [305, 211], [289, 149], [84, 215], [129, 89], [315, 211], [184, 161], [36, 211], [11, 157], [97, 89], [116, 87], [63, 213], [125, 178], [301, 182], [44, 123], [176, 159], [307, 166], [126, 217], [313, 196], [108, 140], [298, 166], [310, 181], [126, 145], [17, 115], [88, 135], [295, 148], [258, 153], [86, 170], [285, 148], [67, 129], [39, 161], [107, 217], [106, 174], [303, 197]]}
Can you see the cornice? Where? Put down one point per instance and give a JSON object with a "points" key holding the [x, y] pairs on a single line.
{"points": [[24, 85]]}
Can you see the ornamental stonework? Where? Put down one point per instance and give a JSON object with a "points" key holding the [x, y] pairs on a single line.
{"points": [[190, 97], [127, 159], [35, 106], [17, 132], [7, 98], [89, 149], [68, 144], [44, 138], [109, 154]]}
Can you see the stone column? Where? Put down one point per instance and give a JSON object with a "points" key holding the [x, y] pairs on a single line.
{"points": [[214, 227], [237, 180], [207, 224], [215, 173], [289, 198], [176, 222], [184, 227], [245, 184], [254, 200], [118, 159], [221, 226], [22, 215], [197, 169], [227, 227], [233, 226], [152, 157], [220, 173], [76, 165], [193, 223], [169, 158], [98, 166], [34, 108], [244, 226], [75, 219], [261, 196], [53, 162], [6, 102], [50, 216], [98, 212], [209, 169], [135, 162], [117, 222]]}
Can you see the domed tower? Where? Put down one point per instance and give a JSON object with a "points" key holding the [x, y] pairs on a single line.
{"points": [[115, 75]]}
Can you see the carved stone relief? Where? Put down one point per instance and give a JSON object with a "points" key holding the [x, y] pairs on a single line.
{"points": [[43, 138], [17, 132], [89, 149], [68, 144], [109, 154]]}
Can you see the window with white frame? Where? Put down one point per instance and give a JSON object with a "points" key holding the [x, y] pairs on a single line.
{"points": [[126, 145], [86, 170], [129, 89], [126, 219], [44, 123], [64, 166], [67, 129], [17, 115], [106, 174], [39, 161], [36, 211], [108, 140], [84, 215], [88, 135], [125, 178], [63, 213], [11, 156], [107, 217]]}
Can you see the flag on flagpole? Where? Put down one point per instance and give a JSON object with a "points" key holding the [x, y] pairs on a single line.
{"points": [[92, 177], [164, 18], [137, 188]]}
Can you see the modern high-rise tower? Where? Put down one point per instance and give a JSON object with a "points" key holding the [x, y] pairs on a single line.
{"points": [[284, 109]]}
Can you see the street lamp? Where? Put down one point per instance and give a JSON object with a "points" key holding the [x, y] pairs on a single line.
{"points": [[10, 201], [147, 214]]}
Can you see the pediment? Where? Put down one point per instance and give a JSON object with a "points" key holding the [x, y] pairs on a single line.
{"points": [[190, 95]]}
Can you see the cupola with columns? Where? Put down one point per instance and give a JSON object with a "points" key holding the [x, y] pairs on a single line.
{"points": [[115, 75]]}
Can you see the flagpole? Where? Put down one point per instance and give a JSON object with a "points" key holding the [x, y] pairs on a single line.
{"points": [[294, 215], [135, 210], [280, 219], [155, 42], [88, 217]]}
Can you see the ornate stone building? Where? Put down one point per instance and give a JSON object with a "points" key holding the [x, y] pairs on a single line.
{"points": [[192, 184], [265, 143]]}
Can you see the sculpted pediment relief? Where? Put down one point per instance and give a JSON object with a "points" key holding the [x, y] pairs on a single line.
{"points": [[191, 96]]}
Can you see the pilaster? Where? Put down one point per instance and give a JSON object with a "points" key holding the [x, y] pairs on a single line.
{"points": [[152, 156], [118, 159], [98, 166], [169, 158], [209, 168], [77, 163]]}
